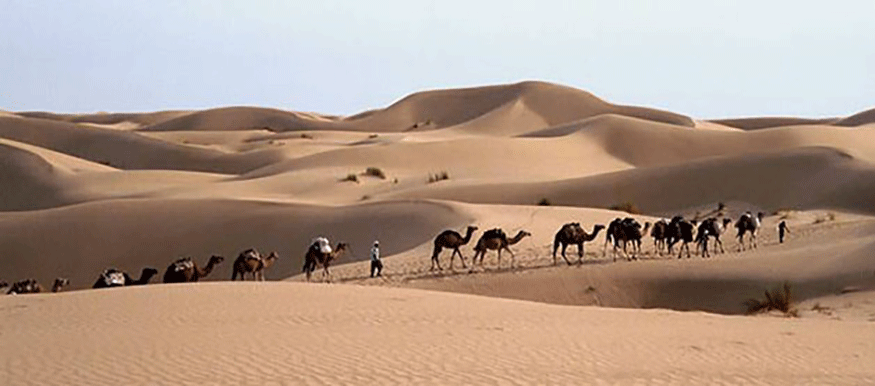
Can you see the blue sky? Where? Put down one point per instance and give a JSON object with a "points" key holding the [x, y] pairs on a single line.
{"points": [[708, 59]]}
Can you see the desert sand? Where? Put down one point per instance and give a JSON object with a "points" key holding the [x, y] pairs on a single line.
{"points": [[85, 192]]}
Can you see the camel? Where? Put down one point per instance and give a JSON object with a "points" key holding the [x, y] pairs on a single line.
{"points": [[250, 261], [573, 234], [496, 240], [31, 286], [316, 257], [748, 224], [680, 230], [625, 230], [658, 232], [185, 270], [711, 228], [115, 278], [450, 239]]}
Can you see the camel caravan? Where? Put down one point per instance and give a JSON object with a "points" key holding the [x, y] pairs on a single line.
{"points": [[623, 235]]}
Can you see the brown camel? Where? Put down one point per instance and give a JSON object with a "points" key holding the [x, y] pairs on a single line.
{"points": [[316, 257], [250, 261], [115, 278], [185, 270], [496, 240], [573, 234], [450, 239], [31, 286]]}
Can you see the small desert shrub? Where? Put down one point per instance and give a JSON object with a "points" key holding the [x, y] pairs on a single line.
{"points": [[627, 207], [375, 172], [366, 197], [776, 299], [306, 136], [372, 136], [830, 216], [350, 177], [545, 202], [435, 177]]}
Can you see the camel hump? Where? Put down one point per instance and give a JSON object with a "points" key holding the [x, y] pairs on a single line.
{"points": [[251, 254], [495, 233], [183, 264], [322, 244], [112, 277]]}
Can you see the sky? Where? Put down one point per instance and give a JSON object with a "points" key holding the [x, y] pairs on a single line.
{"points": [[707, 59]]}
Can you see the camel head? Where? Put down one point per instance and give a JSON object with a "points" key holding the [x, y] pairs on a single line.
{"points": [[4, 284], [341, 247], [472, 228], [597, 227], [59, 284], [148, 273], [272, 256], [726, 222], [215, 259]]}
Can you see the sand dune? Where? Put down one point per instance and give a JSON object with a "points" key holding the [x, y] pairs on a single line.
{"points": [[859, 119], [139, 119], [538, 105], [293, 333], [770, 122], [130, 234], [84, 192], [127, 150], [770, 181]]}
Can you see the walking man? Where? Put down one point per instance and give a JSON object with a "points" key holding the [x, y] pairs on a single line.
{"points": [[782, 228], [376, 263]]}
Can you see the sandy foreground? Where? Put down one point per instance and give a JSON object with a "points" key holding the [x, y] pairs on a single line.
{"points": [[85, 192], [279, 333]]}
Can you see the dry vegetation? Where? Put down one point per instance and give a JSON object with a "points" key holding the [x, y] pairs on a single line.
{"points": [[440, 176], [375, 172], [627, 207], [779, 299]]}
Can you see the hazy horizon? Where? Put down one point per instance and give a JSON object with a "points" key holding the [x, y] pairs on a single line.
{"points": [[723, 59]]}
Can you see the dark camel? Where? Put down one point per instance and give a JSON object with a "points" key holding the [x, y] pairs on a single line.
{"points": [[573, 234], [680, 230], [496, 240], [658, 232], [748, 224], [450, 239], [115, 278], [31, 286], [711, 227], [250, 261], [625, 231], [185, 270], [315, 257]]}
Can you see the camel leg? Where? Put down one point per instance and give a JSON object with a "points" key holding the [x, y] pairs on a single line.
{"points": [[434, 257], [453, 258], [720, 244], [579, 254], [564, 247], [462, 259]]}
